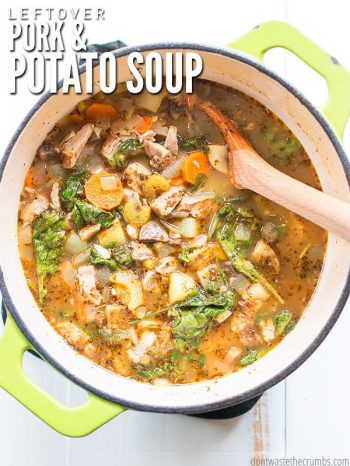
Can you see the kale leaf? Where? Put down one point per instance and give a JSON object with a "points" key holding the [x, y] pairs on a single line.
{"points": [[196, 314], [85, 213], [48, 240], [120, 257], [125, 149], [73, 187]]}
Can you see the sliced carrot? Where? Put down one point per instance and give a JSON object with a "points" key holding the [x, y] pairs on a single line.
{"points": [[195, 164], [104, 190], [146, 125], [177, 182], [75, 118], [100, 110], [29, 179]]}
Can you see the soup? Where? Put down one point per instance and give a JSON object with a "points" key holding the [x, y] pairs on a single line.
{"points": [[142, 254]]}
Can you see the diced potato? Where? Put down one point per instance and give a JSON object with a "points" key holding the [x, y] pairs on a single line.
{"points": [[207, 275], [112, 313], [180, 287], [129, 282], [150, 102], [113, 236], [218, 158], [74, 245], [189, 227]]}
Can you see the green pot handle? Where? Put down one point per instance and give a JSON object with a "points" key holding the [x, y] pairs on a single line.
{"points": [[278, 34], [73, 422]]}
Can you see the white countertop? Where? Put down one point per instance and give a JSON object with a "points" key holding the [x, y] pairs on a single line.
{"points": [[305, 416]]}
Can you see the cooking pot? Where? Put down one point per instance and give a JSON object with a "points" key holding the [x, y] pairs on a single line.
{"points": [[109, 394]]}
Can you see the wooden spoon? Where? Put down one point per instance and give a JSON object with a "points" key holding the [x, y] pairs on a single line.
{"points": [[247, 170]]}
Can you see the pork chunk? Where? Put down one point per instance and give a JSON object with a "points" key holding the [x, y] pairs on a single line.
{"points": [[166, 202], [73, 147]]}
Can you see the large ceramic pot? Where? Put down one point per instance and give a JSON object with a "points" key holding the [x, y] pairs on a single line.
{"points": [[232, 68]]}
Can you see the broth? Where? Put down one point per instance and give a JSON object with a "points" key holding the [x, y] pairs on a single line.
{"points": [[142, 255]]}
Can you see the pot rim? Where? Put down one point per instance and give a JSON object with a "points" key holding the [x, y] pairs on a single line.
{"points": [[248, 394]]}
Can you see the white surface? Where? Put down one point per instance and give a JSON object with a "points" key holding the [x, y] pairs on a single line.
{"points": [[305, 416]]}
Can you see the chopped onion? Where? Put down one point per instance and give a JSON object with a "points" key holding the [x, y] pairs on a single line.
{"points": [[199, 241], [103, 275], [269, 232], [171, 227], [258, 292], [101, 251], [149, 324], [198, 197], [25, 252], [242, 232], [132, 335], [69, 274], [173, 170], [81, 259], [233, 353], [25, 234], [239, 282]]}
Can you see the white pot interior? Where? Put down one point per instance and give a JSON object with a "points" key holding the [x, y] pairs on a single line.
{"points": [[205, 395]]}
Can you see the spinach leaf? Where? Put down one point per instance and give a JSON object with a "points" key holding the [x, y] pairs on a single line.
{"points": [[73, 187], [48, 240], [124, 150], [86, 213], [197, 143], [249, 358], [282, 320]]}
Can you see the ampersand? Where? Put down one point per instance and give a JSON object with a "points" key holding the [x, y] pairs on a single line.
{"points": [[79, 42]]}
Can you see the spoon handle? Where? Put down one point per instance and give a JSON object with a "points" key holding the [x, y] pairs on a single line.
{"points": [[252, 172]]}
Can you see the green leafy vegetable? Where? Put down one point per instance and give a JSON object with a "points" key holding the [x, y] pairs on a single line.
{"points": [[48, 240], [73, 187], [197, 143], [195, 315], [96, 259], [107, 335], [282, 320], [155, 372], [120, 256], [184, 254], [282, 148], [123, 256], [200, 178], [249, 358], [90, 215], [242, 265], [124, 150], [200, 360]]}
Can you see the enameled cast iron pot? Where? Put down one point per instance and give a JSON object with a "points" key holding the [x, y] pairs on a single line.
{"points": [[109, 393]]}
